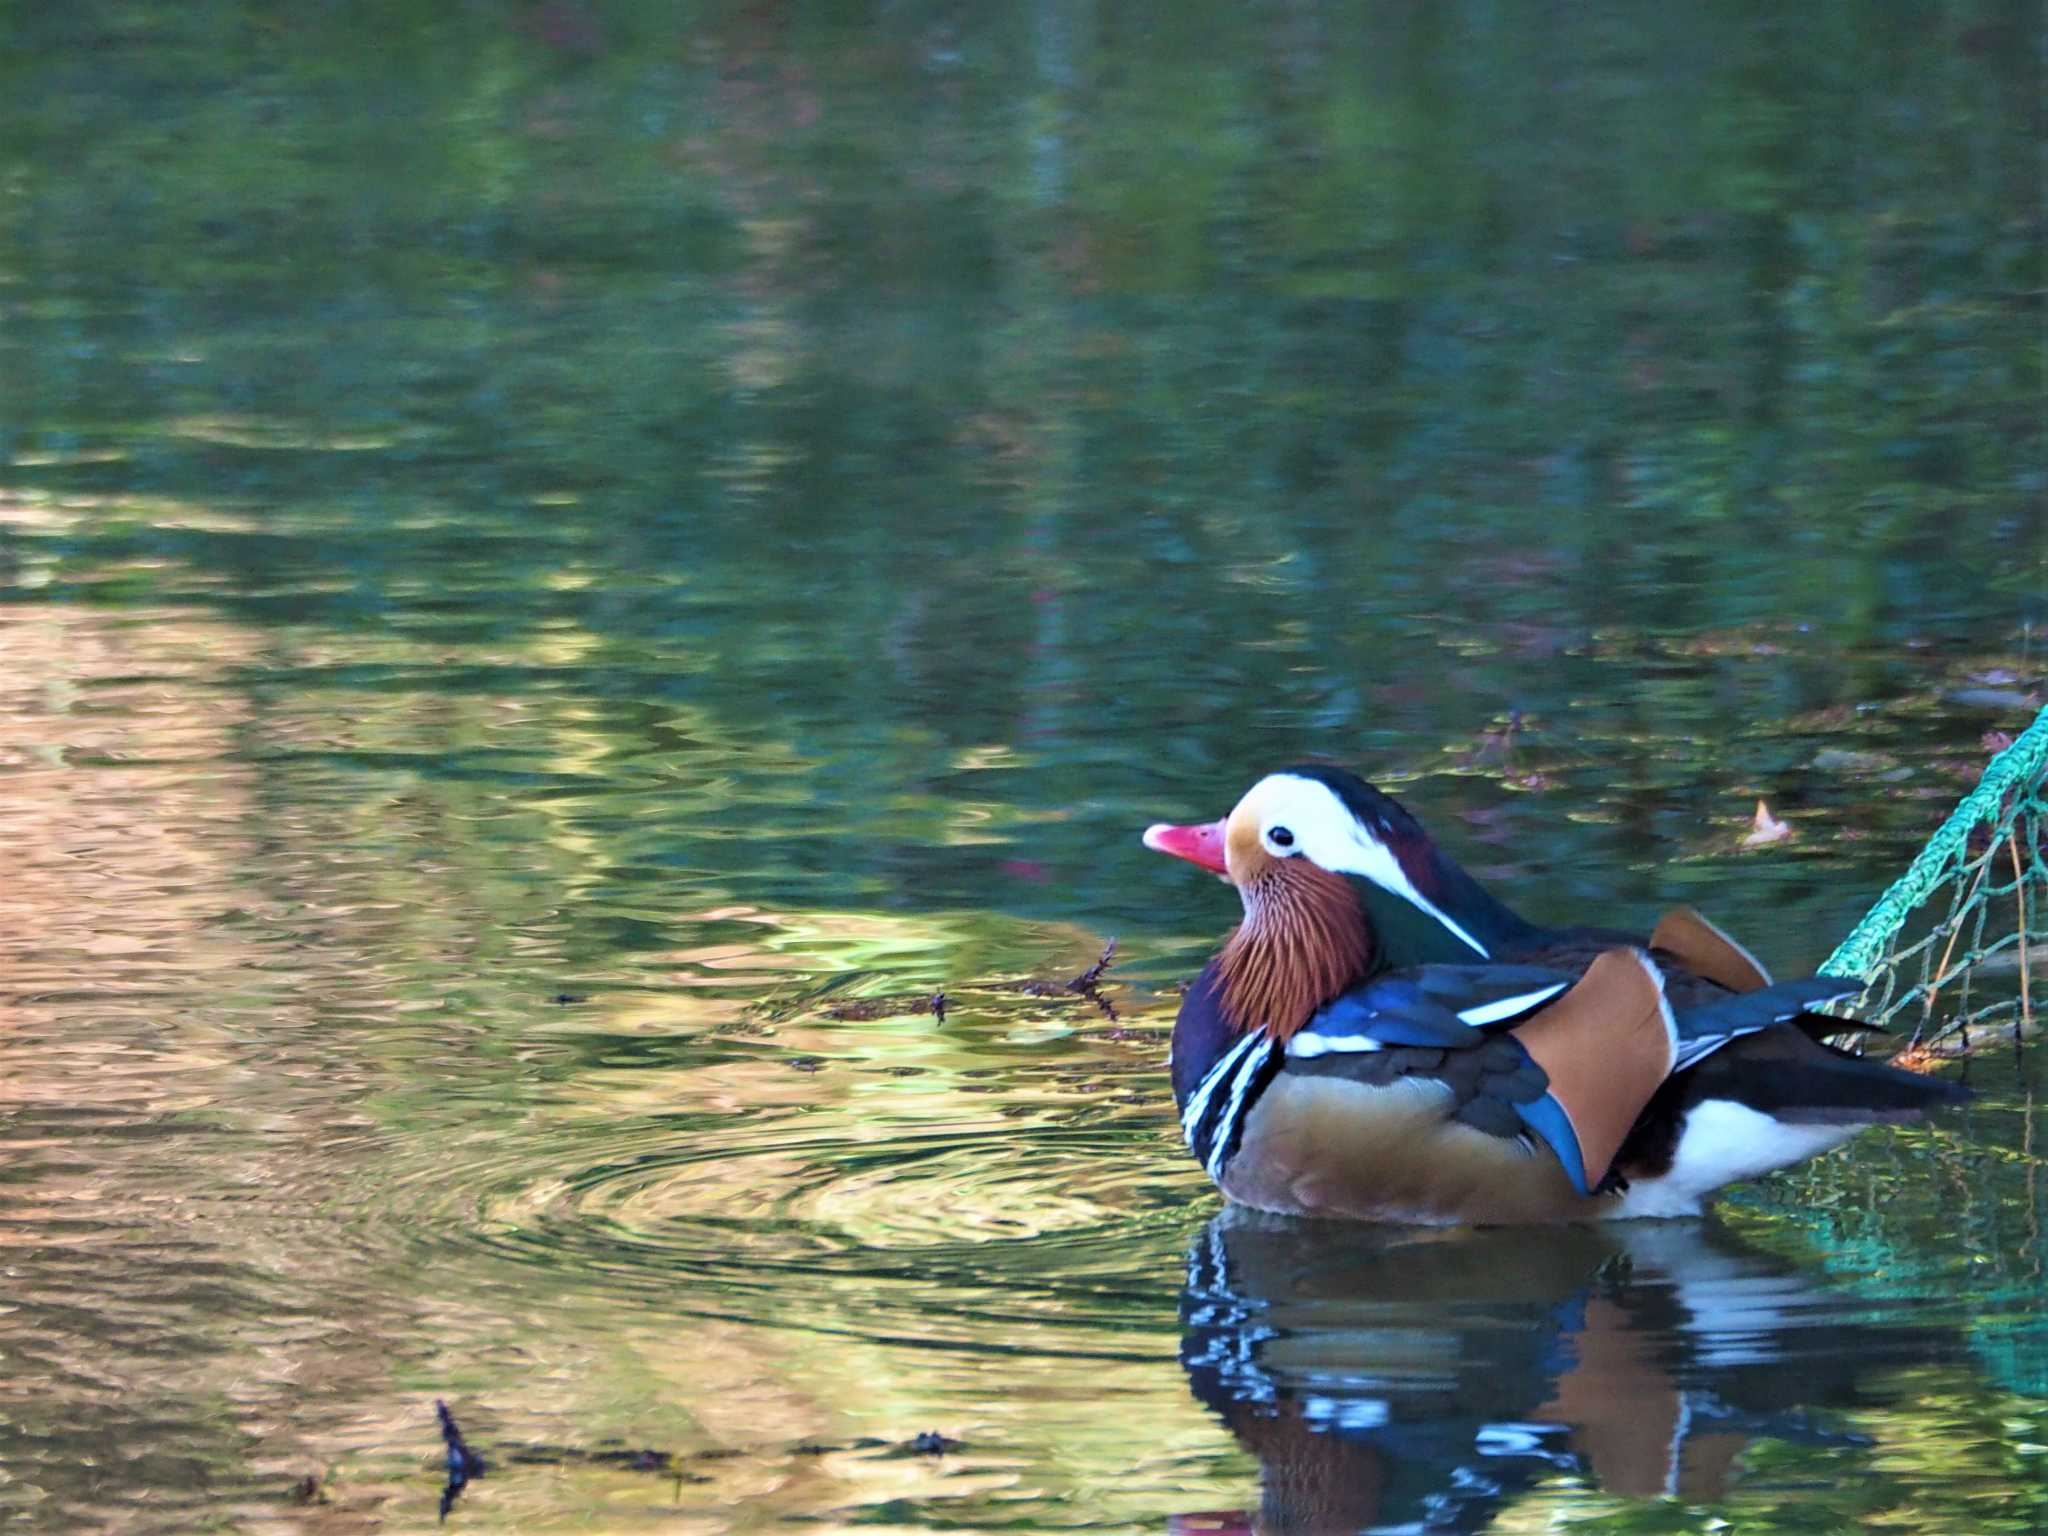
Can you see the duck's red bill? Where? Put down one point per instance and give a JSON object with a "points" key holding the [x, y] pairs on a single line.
{"points": [[1201, 845]]}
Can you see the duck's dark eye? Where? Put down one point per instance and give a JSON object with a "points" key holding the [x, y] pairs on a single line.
{"points": [[1282, 838]]}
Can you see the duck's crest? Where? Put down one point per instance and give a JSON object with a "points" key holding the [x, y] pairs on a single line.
{"points": [[1422, 875]]}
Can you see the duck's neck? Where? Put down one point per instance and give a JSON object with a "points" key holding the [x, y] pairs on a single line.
{"points": [[1303, 941], [1309, 936], [1444, 917]]}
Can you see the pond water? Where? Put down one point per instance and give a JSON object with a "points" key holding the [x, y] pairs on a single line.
{"points": [[564, 568]]}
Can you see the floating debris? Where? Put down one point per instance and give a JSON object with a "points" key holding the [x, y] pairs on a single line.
{"points": [[1087, 984], [895, 1006], [676, 1465], [1764, 828], [1496, 744], [464, 1465], [1088, 978], [645, 1460], [901, 1004]]}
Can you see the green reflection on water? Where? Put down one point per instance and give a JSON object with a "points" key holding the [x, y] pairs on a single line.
{"points": [[721, 518]]}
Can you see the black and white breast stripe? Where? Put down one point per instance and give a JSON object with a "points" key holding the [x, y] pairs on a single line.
{"points": [[1213, 1121]]}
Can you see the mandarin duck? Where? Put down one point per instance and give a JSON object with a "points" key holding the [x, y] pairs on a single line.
{"points": [[1382, 1039]]}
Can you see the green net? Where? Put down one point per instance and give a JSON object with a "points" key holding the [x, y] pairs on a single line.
{"points": [[1962, 936]]}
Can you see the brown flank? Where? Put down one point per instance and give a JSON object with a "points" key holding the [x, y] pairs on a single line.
{"points": [[1606, 1048]]}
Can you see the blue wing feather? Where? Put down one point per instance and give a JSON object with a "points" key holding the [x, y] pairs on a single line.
{"points": [[1393, 1010], [1421, 1007], [1546, 1117]]}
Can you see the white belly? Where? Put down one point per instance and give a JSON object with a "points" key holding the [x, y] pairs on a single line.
{"points": [[1725, 1142]]}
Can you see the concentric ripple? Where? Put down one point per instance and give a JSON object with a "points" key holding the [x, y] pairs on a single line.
{"points": [[850, 1218]]}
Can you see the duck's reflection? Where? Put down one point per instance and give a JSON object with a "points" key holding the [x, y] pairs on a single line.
{"points": [[1393, 1379]]}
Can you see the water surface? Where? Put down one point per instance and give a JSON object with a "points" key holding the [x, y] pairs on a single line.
{"points": [[563, 569]]}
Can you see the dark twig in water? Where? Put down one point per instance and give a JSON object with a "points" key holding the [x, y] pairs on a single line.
{"points": [[463, 1463], [1087, 984], [1088, 978], [897, 1004], [676, 1464], [1108, 1008]]}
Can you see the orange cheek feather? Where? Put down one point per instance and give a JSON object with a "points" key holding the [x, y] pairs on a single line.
{"points": [[1302, 942]]}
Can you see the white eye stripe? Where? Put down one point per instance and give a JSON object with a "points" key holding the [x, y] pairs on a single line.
{"points": [[1327, 832], [1378, 864]]}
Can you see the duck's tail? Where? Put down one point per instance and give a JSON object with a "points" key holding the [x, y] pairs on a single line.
{"points": [[1762, 1102], [1797, 1079]]}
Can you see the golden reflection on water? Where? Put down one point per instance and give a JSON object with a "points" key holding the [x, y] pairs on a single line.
{"points": [[129, 828], [284, 1074], [120, 805], [320, 1112]]}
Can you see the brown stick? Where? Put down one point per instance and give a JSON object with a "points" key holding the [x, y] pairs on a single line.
{"points": [[2019, 896], [1941, 970], [1093, 974]]}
